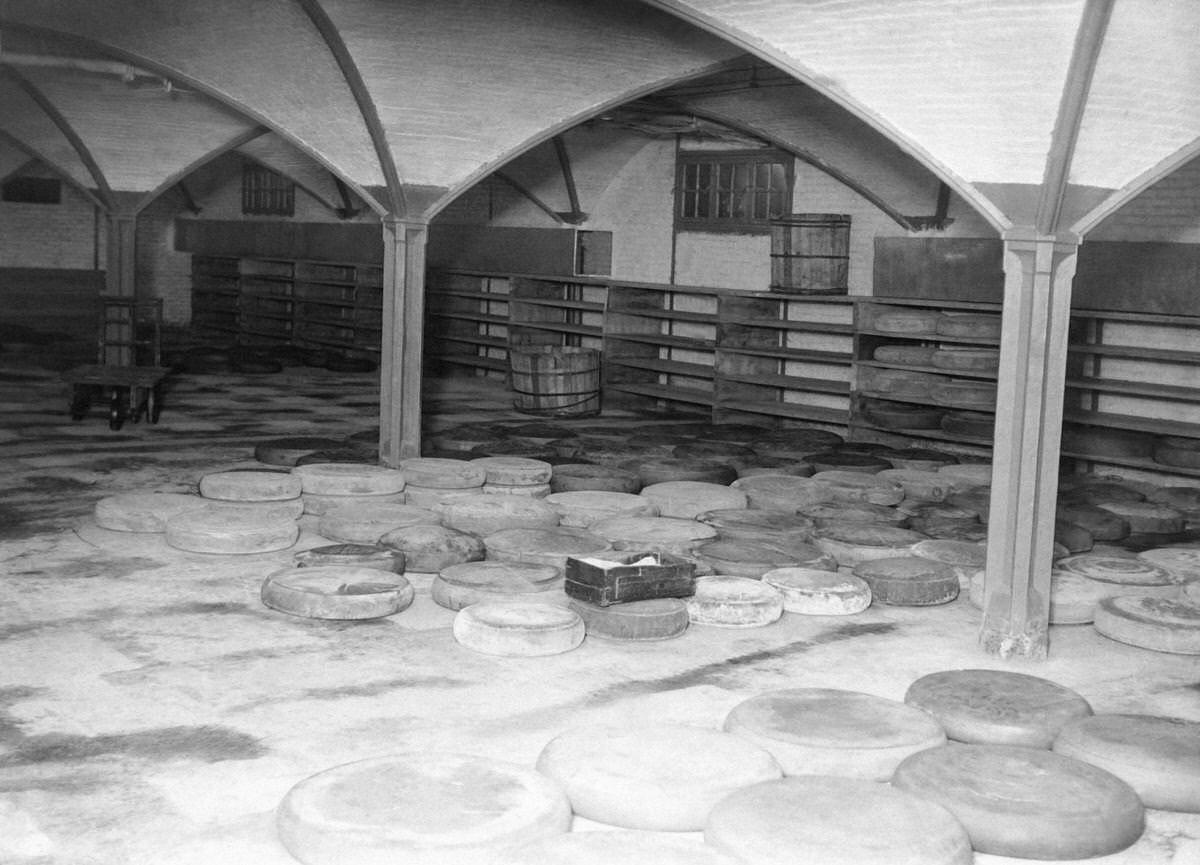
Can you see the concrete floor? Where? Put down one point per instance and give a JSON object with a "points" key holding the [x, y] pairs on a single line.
{"points": [[153, 711]]}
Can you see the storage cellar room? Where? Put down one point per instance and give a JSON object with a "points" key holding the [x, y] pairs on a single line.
{"points": [[552, 431]]}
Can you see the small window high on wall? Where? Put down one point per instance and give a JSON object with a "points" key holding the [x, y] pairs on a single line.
{"points": [[31, 190], [732, 190], [266, 192]]}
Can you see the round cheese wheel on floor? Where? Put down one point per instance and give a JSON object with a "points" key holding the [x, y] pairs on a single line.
{"points": [[211, 530], [1158, 757], [349, 479], [418, 808], [668, 469], [769, 465], [1122, 575], [754, 558], [613, 847], [997, 707], [351, 555], [446, 474], [835, 821], [654, 534], [823, 731], [514, 470], [1101, 524], [964, 557], [719, 451], [485, 515], [432, 497], [734, 602], [901, 416], [1027, 802], [533, 491], [976, 325], [662, 777], [912, 355], [429, 549], [461, 585], [544, 546], [857, 487], [1183, 563], [285, 451], [848, 461], [143, 512], [814, 592], [685, 499], [1159, 624], [753, 524], [781, 492], [640, 621], [909, 581], [918, 321], [852, 543], [926, 486], [250, 486], [967, 359], [367, 523], [518, 629], [336, 592], [832, 513], [582, 508], [292, 509], [572, 477], [1073, 598], [1148, 517], [319, 505], [976, 425]]}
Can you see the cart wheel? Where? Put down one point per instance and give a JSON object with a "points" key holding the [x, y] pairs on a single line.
{"points": [[118, 408], [80, 402]]}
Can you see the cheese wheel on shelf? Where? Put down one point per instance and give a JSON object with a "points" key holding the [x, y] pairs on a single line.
{"points": [[968, 475], [544, 546], [686, 499], [965, 393], [664, 777], [901, 416], [1027, 802], [1183, 563], [637, 621], [571, 477], [966, 558], [967, 359], [654, 534], [852, 543], [210, 530], [909, 581], [337, 592], [351, 555], [771, 465], [292, 509], [1158, 624], [997, 707], [848, 461], [367, 523], [976, 425], [1101, 524], [582, 508], [856, 487], [835, 821], [905, 353], [781, 492], [1147, 517], [518, 629], [734, 602], [349, 479], [1158, 757], [485, 515], [250, 486], [513, 471], [975, 325], [143, 512], [429, 549], [437, 473], [419, 808], [719, 451], [926, 486], [895, 383], [1175, 455], [1186, 499], [911, 321], [794, 441], [1073, 598]]}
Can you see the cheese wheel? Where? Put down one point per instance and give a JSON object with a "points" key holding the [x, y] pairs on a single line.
{"points": [[1073, 598], [915, 321], [857, 487], [357, 455], [319, 505], [848, 461], [351, 555], [967, 475], [974, 425], [835, 821], [1186, 499], [437, 473], [518, 629], [964, 557], [361, 523], [349, 479], [1101, 524], [717, 450], [909, 581], [901, 416], [292, 509], [895, 383], [336, 592], [1097, 441], [667, 469], [664, 777], [755, 557], [926, 486], [514, 470], [1147, 517], [461, 439], [537, 432], [533, 491], [781, 492], [997, 707], [911, 355], [965, 393], [852, 543], [734, 602], [613, 847], [211, 530], [976, 325], [686, 499], [814, 592], [582, 508], [485, 515], [1075, 538], [429, 549], [431, 497], [1122, 575], [544, 546], [1159, 624], [832, 513], [1158, 757], [252, 486], [285, 451], [753, 524], [966, 359], [654, 534], [419, 808], [461, 585], [1088, 491], [823, 731], [142, 512], [770, 465], [638, 621], [1027, 802], [1182, 563], [920, 459], [571, 477], [793, 441]]}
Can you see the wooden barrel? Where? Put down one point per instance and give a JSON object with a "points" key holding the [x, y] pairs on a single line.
{"points": [[559, 381], [810, 254]]}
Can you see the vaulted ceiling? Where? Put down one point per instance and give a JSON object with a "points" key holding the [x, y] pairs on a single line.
{"points": [[1049, 113]]}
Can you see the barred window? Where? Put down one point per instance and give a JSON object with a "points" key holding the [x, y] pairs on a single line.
{"points": [[267, 192], [732, 190]]}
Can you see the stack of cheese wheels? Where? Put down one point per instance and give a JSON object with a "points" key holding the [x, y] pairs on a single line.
{"points": [[255, 489], [997, 707], [905, 353], [667, 469], [614, 847], [1075, 538], [231, 532], [1101, 524], [331, 485], [686, 499], [142, 512], [523, 629], [337, 592], [822, 731], [428, 549], [1122, 575], [1098, 492], [1147, 517], [663, 777], [740, 524], [1151, 622], [515, 475], [835, 821], [920, 459], [909, 581], [367, 523], [896, 383], [462, 439], [781, 492], [351, 555], [754, 558], [1158, 757], [848, 461], [461, 585], [965, 558], [900, 320], [433, 480], [285, 451], [574, 477], [974, 325], [734, 602], [978, 500], [918, 485], [654, 534], [1183, 499], [813, 592], [421, 808], [1183, 563], [1026, 802], [1177, 451], [902, 415], [858, 487], [966, 475], [582, 508], [831, 513], [482, 515], [544, 546], [638, 621], [852, 543], [962, 358]]}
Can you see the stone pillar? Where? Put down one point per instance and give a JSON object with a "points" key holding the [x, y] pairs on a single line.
{"points": [[1038, 271], [120, 280], [402, 347]]}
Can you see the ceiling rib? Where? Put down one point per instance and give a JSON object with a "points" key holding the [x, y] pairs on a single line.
{"points": [[53, 166], [176, 177]]}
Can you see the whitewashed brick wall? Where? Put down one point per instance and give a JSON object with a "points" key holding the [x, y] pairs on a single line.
{"points": [[56, 236]]}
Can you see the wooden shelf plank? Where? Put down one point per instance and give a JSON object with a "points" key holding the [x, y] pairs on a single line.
{"points": [[480, 317], [1137, 388], [667, 314], [1133, 463], [792, 324], [930, 434], [1136, 352], [790, 382], [933, 337], [490, 297], [471, 360], [795, 411], [664, 392], [556, 327], [1153, 425], [839, 358], [468, 339], [665, 340], [586, 306], [667, 367], [973, 305], [936, 370]]}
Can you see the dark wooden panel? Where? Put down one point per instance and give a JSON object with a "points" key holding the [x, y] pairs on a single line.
{"points": [[313, 241], [1138, 277], [502, 249], [940, 268]]}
